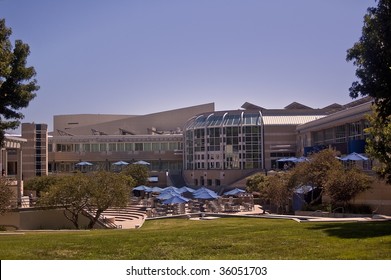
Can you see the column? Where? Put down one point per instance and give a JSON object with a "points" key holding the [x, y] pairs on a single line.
{"points": [[19, 175]]}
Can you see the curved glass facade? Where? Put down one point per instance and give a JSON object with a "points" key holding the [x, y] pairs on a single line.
{"points": [[224, 140]]}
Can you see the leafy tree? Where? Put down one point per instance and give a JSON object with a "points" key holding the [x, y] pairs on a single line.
{"points": [[372, 57], [278, 190], [107, 189], [315, 172], [17, 86], [138, 172], [273, 189], [254, 182], [94, 192], [70, 192], [379, 144], [343, 185], [6, 195], [40, 183], [325, 172]]}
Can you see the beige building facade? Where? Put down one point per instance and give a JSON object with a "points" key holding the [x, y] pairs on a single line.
{"points": [[193, 146]]}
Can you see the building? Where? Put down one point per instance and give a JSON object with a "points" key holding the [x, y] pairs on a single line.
{"points": [[12, 167], [222, 148], [344, 131], [195, 146]]}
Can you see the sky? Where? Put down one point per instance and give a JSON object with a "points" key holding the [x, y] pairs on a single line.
{"points": [[138, 57]]}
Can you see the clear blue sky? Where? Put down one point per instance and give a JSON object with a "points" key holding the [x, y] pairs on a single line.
{"points": [[147, 56]]}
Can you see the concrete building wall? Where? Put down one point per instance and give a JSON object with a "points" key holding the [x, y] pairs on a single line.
{"points": [[378, 197], [166, 121], [279, 141], [35, 219]]}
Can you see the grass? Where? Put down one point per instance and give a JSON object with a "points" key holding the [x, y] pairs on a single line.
{"points": [[218, 239]]}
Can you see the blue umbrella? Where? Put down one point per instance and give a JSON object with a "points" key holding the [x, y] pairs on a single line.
{"points": [[155, 190], [171, 188], [186, 189], [235, 191], [176, 199], [204, 194], [167, 195], [291, 159], [302, 159], [202, 189]]}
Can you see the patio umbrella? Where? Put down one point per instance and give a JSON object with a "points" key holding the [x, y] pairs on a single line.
{"points": [[141, 162], [171, 188], [176, 199], [302, 159], [142, 188], [167, 195], [84, 163], [155, 190], [235, 191], [202, 189], [186, 189], [204, 194], [291, 159], [354, 156], [120, 163]]}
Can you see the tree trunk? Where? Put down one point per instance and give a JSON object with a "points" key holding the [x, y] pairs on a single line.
{"points": [[94, 219]]}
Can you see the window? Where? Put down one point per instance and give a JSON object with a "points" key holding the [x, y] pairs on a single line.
{"points": [[128, 147], [138, 146], [94, 147], [147, 147], [156, 147]]}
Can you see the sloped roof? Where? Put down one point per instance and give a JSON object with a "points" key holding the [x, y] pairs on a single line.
{"points": [[289, 120], [296, 105], [250, 106]]}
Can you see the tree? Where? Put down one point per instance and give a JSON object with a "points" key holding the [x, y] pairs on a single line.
{"points": [[138, 172], [70, 192], [81, 192], [372, 57], [106, 189], [315, 172], [41, 184], [6, 195], [17, 86], [343, 185], [379, 144], [325, 172], [273, 189]]}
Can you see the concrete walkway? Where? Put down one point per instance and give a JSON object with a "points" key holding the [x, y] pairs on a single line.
{"points": [[257, 212]]}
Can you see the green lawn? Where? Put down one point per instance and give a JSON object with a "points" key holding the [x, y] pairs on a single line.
{"points": [[225, 238]]}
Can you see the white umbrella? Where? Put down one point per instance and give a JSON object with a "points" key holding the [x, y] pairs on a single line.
{"points": [[120, 163], [84, 163], [141, 162], [354, 157]]}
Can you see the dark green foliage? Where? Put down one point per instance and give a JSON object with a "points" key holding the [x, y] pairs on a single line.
{"points": [[17, 86], [372, 57]]}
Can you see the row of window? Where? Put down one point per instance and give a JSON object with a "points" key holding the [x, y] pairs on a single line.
{"points": [[341, 134], [116, 147]]}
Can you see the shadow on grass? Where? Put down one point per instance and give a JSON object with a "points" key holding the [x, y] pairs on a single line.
{"points": [[355, 230]]}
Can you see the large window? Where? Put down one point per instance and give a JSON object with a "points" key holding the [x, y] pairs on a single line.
{"points": [[64, 148], [230, 140]]}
